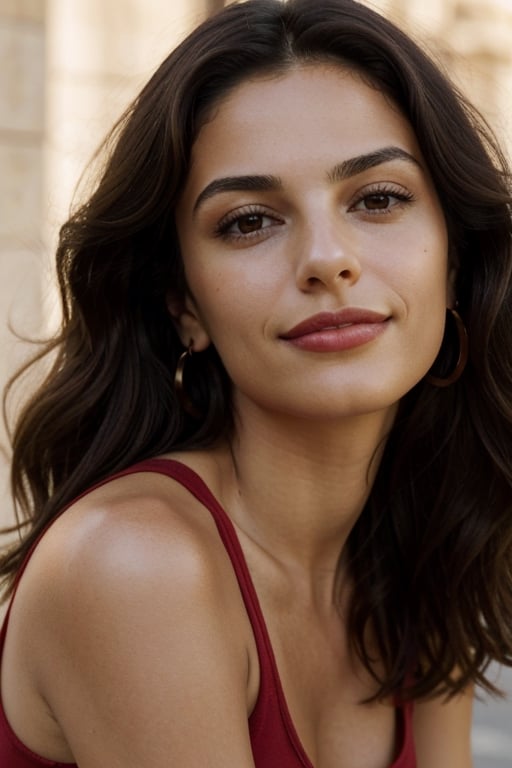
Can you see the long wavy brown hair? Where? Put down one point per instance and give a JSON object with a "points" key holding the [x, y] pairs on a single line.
{"points": [[431, 555]]}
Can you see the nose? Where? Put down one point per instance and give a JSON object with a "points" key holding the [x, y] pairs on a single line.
{"points": [[328, 254]]}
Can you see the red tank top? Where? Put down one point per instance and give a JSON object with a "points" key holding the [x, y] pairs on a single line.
{"points": [[274, 740]]}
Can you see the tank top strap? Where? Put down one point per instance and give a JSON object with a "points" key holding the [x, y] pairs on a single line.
{"points": [[270, 720], [270, 702], [190, 480]]}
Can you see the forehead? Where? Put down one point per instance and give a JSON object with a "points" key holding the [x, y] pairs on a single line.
{"points": [[308, 118]]}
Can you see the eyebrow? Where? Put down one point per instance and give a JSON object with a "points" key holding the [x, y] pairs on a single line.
{"points": [[269, 183], [239, 184], [362, 163]]}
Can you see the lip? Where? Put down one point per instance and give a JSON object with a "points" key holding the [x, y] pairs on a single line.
{"points": [[337, 331], [325, 321]]}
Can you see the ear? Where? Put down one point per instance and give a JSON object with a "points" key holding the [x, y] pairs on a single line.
{"points": [[188, 323]]}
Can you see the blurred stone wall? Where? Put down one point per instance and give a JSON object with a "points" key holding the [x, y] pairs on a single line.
{"points": [[22, 132], [69, 67], [473, 41]]}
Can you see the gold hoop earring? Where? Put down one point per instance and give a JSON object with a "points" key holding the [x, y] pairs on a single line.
{"points": [[462, 359], [179, 387]]}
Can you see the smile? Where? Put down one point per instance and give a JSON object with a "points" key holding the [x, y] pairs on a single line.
{"points": [[338, 331]]}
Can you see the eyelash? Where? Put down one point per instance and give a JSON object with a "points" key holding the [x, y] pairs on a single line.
{"points": [[222, 228], [381, 190]]}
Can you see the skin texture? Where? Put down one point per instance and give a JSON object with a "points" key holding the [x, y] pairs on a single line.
{"points": [[131, 590]]}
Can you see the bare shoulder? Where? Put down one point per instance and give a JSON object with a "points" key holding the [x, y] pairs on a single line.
{"points": [[139, 622], [442, 731], [134, 533], [137, 547]]}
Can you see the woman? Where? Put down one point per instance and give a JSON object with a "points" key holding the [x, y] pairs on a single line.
{"points": [[267, 482]]}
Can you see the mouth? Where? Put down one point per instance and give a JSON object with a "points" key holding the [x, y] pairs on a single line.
{"points": [[324, 322]]}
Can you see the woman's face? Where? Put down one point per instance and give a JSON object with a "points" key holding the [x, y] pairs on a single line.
{"points": [[314, 246]]}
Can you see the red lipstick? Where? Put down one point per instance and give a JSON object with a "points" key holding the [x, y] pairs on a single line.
{"points": [[337, 331]]}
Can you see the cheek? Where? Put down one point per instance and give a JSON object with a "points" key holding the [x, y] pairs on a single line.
{"points": [[418, 261], [235, 295], [427, 298], [224, 309]]}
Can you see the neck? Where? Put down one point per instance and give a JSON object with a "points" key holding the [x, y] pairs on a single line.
{"points": [[298, 487]]}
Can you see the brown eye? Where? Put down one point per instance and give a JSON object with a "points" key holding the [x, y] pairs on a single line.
{"points": [[381, 200], [376, 202], [252, 222], [246, 225]]}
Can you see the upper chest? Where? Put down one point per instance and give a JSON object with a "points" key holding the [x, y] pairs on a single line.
{"points": [[323, 687]]}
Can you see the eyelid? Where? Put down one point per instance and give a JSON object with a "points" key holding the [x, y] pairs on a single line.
{"points": [[250, 209], [384, 188]]}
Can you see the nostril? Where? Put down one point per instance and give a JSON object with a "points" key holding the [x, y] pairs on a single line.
{"points": [[346, 274]]}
